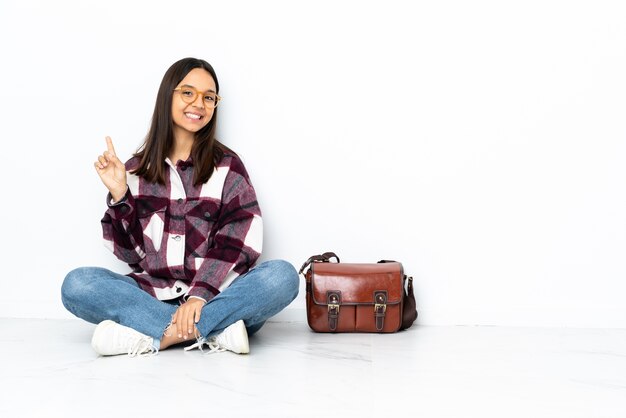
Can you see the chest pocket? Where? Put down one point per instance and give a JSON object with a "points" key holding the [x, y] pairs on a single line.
{"points": [[151, 214], [201, 221]]}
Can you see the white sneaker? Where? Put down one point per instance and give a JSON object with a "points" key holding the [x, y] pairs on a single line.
{"points": [[234, 338], [111, 338]]}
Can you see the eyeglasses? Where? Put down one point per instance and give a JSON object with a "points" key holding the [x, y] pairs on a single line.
{"points": [[190, 94]]}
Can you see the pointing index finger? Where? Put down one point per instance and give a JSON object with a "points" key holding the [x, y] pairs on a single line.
{"points": [[110, 145]]}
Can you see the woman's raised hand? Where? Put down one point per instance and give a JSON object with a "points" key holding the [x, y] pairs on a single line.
{"points": [[112, 171]]}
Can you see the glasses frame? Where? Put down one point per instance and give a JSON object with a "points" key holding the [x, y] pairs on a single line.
{"points": [[198, 92]]}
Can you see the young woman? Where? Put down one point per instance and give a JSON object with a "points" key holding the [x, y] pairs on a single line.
{"points": [[183, 214]]}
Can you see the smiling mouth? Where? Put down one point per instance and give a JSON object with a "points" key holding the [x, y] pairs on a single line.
{"points": [[193, 116]]}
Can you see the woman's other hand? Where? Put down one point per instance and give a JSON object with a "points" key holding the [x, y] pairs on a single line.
{"points": [[186, 317], [112, 172]]}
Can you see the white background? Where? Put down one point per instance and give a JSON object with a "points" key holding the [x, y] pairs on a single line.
{"points": [[480, 143]]}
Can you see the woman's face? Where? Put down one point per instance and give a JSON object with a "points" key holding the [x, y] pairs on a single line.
{"points": [[191, 117]]}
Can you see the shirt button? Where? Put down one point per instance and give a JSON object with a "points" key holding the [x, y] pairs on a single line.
{"points": [[180, 201], [124, 209], [176, 237], [207, 215], [184, 168]]}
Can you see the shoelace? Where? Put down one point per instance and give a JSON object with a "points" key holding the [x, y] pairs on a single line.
{"points": [[214, 347], [142, 347]]}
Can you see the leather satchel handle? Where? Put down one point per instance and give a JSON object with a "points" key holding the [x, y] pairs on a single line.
{"points": [[324, 258]]}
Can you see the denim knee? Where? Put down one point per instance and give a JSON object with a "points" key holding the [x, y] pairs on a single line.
{"points": [[283, 278], [79, 283], [75, 284]]}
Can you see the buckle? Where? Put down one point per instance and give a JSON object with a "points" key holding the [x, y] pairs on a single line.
{"points": [[380, 306]]}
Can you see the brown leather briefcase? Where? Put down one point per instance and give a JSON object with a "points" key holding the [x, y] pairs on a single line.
{"points": [[345, 297]]}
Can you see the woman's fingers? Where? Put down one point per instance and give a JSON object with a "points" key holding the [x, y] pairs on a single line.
{"points": [[115, 168], [185, 318], [110, 147], [190, 321], [196, 319], [187, 315], [109, 156], [112, 158], [182, 314], [190, 314], [180, 323], [103, 161]]}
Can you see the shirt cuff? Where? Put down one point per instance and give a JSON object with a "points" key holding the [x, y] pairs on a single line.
{"points": [[196, 297], [203, 291], [123, 208]]}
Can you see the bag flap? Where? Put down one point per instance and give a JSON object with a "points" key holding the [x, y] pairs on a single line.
{"points": [[357, 282]]}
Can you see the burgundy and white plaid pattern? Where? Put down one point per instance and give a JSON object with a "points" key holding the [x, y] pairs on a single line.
{"points": [[182, 240]]}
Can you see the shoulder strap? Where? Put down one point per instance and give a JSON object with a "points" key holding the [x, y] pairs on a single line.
{"points": [[324, 258]]}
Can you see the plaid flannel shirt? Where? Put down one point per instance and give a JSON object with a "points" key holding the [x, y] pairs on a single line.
{"points": [[182, 240]]}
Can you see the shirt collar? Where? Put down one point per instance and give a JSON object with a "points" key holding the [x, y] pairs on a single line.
{"points": [[187, 163]]}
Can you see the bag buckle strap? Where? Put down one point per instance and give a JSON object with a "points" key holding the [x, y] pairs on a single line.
{"points": [[333, 299], [380, 308]]}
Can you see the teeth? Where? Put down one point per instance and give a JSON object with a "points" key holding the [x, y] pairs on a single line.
{"points": [[192, 116]]}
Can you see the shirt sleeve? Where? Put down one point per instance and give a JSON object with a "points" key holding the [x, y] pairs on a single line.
{"points": [[121, 229], [238, 241]]}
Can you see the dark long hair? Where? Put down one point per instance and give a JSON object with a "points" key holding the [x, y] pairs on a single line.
{"points": [[206, 151]]}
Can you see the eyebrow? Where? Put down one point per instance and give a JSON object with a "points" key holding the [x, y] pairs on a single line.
{"points": [[194, 87]]}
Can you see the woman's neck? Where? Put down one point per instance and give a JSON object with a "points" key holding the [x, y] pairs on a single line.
{"points": [[182, 146]]}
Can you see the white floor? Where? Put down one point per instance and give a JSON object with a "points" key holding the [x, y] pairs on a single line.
{"points": [[47, 369]]}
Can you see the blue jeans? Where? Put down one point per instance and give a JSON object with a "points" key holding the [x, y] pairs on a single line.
{"points": [[96, 294]]}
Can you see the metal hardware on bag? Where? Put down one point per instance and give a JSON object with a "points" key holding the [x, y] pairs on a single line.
{"points": [[381, 298], [333, 299], [380, 308], [332, 303]]}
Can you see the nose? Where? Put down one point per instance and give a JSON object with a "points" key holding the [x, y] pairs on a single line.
{"points": [[200, 98]]}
